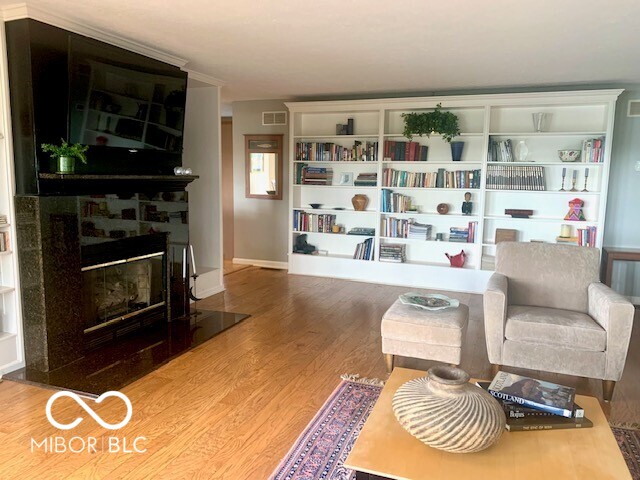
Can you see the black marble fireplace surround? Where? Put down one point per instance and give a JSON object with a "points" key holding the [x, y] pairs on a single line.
{"points": [[53, 254]]}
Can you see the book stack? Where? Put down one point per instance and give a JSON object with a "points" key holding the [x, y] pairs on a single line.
{"points": [[395, 202], [419, 231], [393, 252], [3, 220], [593, 150], [587, 236], [364, 250], [531, 404], [457, 234], [331, 152], [367, 231], [366, 180], [317, 175], [395, 227], [405, 151], [4, 242], [515, 177], [500, 151], [440, 179], [312, 222]]}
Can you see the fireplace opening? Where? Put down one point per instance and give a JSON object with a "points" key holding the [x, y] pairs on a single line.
{"points": [[115, 291]]}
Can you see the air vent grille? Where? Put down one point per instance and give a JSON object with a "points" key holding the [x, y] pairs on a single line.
{"points": [[634, 108], [274, 118]]}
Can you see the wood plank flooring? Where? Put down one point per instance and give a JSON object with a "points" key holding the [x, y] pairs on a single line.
{"points": [[232, 407]]}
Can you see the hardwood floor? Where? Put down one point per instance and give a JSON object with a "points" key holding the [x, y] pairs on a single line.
{"points": [[232, 407]]}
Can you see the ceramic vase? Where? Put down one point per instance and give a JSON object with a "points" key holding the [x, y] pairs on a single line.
{"points": [[447, 412], [66, 164], [359, 202], [456, 151]]}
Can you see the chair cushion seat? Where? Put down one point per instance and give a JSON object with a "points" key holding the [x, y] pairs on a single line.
{"points": [[413, 324], [551, 326]]}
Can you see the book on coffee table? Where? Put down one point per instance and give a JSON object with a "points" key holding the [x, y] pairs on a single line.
{"points": [[529, 392]]}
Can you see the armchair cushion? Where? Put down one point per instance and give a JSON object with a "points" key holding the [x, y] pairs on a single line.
{"points": [[548, 275], [550, 326]]}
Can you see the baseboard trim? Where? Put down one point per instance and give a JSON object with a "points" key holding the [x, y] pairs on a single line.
{"points": [[262, 263]]}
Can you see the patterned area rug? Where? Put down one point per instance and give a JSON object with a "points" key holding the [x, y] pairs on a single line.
{"points": [[321, 449]]}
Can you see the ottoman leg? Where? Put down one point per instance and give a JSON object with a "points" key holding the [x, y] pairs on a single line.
{"points": [[388, 360], [495, 368]]}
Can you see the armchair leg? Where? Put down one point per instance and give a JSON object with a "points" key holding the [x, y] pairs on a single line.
{"points": [[388, 360], [495, 368], [607, 389]]}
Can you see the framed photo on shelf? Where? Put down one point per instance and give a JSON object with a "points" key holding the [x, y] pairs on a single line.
{"points": [[346, 178]]}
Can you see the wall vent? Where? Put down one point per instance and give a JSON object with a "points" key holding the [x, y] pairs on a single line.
{"points": [[275, 118], [634, 108]]}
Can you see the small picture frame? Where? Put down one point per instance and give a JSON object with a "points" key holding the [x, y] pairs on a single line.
{"points": [[346, 178]]}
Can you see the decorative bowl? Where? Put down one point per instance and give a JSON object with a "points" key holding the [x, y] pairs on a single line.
{"points": [[442, 208], [569, 155], [315, 205]]}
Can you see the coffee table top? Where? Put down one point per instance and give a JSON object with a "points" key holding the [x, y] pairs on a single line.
{"points": [[384, 448]]}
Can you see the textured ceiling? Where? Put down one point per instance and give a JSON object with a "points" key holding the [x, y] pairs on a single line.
{"points": [[292, 49]]}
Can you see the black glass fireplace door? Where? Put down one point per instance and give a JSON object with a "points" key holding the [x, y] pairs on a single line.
{"points": [[121, 289]]}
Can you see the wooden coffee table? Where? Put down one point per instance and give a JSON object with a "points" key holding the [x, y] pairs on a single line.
{"points": [[384, 450]]}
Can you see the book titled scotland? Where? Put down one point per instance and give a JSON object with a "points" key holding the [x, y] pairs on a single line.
{"points": [[547, 396]]}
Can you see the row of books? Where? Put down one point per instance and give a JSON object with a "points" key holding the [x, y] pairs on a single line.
{"points": [[395, 227], [440, 179], [395, 202], [405, 151], [364, 250], [500, 151], [463, 234], [587, 236], [316, 175], [312, 222], [593, 150], [531, 404], [331, 152], [516, 177], [366, 180], [5, 246], [393, 252]]}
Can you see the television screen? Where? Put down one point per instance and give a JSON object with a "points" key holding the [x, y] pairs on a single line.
{"points": [[122, 99]]}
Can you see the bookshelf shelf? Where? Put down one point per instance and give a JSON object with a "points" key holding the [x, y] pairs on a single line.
{"points": [[334, 162], [581, 120], [4, 290]]}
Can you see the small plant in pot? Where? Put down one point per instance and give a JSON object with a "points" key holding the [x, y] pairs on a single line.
{"points": [[66, 155]]}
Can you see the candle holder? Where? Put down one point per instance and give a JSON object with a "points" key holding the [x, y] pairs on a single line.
{"points": [[586, 177], [573, 186], [564, 174]]}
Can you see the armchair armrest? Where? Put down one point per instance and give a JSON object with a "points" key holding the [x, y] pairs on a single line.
{"points": [[614, 313], [495, 301]]}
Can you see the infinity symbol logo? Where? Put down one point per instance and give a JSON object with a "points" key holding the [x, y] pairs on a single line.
{"points": [[89, 410]]}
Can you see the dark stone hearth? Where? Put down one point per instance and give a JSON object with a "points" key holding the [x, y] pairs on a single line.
{"points": [[119, 364]]}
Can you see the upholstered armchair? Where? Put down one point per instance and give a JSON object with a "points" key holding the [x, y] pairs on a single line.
{"points": [[545, 309]]}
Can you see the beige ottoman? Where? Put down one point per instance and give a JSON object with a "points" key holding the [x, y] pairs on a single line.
{"points": [[414, 332]]}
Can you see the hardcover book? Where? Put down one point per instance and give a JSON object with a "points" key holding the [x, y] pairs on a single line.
{"points": [[553, 422], [547, 396]]}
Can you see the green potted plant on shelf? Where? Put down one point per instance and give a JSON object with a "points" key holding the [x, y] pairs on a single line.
{"points": [[66, 155], [426, 123]]}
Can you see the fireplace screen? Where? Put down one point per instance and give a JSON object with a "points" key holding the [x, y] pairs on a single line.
{"points": [[121, 289]]}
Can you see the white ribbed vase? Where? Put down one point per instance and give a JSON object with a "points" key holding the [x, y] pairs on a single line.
{"points": [[446, 412]]}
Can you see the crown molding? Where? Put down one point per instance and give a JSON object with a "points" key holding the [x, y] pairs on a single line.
{"points": [[23, 10], [202, 77]]}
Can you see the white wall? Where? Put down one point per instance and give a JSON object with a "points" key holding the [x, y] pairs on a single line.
{"points": [[260, 226], [202, 155]]}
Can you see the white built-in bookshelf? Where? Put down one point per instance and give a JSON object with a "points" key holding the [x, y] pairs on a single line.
{"points": [[575, 120], [11, 338]]}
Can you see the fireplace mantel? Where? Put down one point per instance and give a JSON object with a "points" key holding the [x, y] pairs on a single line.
{"points": [[78, 184]]}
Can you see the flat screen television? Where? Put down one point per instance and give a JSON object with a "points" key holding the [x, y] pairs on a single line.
{"points": [[123, 100]]}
